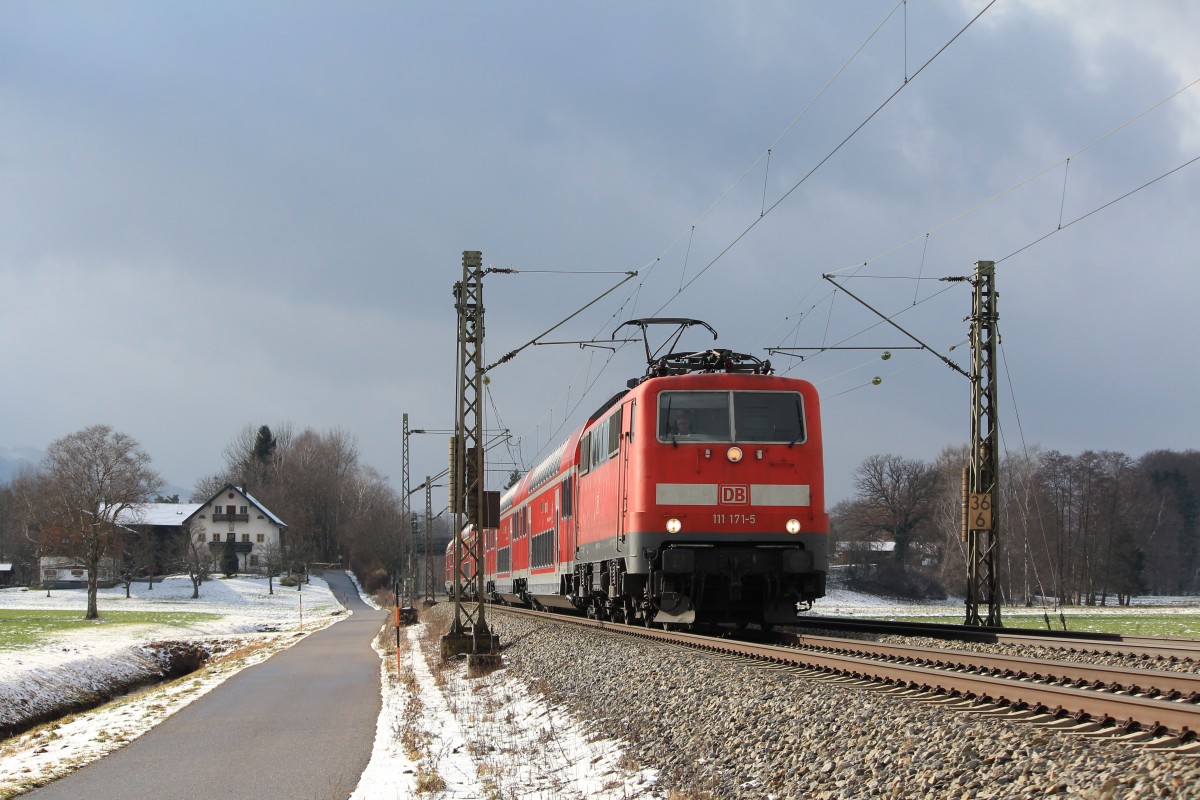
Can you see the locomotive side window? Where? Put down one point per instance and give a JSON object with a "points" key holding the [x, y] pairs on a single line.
{"points": [[585, 454], [600, 444], [614, 433]]}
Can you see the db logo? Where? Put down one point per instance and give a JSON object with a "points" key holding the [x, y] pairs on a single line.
{"points": [[735, 495]]}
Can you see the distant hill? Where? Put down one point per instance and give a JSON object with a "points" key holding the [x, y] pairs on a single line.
{"points": [[14, 459]]}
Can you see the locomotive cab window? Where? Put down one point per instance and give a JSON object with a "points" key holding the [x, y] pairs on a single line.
{"points": [[693, 416], [767, 417]]}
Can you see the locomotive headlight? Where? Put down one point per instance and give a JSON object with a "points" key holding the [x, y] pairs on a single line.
{"points": [[793, 526], [674, 525], [734, 454]]}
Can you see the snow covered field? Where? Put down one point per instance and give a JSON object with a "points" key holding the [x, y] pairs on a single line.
{"points": [[248, 625], [437, 729], [430, 734]]}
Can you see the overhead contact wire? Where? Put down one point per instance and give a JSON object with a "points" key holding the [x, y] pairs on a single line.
{"points": [[831, 153], [1025, 181], [795, 121], [1098, 209]]}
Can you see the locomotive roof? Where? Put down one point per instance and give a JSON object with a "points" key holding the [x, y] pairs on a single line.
{"points": [[612, 401]]}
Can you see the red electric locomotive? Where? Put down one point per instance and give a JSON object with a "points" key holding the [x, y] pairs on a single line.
{"points": [[695, 495]]}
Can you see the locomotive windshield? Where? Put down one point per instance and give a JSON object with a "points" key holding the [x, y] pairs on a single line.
{"points": [[731, 417]]}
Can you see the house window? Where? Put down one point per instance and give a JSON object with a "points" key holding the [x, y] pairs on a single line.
{"points": [[51, 573], [254, 561], [201, 537], [245, 537], [243, 511], [231, 537], [262, 537]]}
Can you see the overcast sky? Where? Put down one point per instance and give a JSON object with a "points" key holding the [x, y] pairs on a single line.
{"points": [[224, 214]]}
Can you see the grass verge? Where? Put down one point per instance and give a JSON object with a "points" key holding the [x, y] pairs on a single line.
{"points": [[1141, 624], [26, 628]]}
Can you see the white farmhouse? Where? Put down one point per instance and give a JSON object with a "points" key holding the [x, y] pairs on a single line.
{"points": [[64, 572], [234, 515]]}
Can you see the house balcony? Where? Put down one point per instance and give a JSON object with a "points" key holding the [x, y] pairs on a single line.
{"points": [[230, 517], [238, 547]]}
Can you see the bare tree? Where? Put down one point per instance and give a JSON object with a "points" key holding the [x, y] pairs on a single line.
{"points": [[92, 477], [1173, 538], [138, 555], [335, 506], [897, 497], [194, 556], [208, 486], [273, 560], [897, 500], [18, 524], [946, 518]]}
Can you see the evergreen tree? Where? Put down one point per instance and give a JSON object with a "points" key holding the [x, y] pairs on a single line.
{"points": [[264, 446], [229, 559], [513, 477]]}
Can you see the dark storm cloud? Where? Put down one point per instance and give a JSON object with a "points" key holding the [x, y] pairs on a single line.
{"points": [[220, 214]]}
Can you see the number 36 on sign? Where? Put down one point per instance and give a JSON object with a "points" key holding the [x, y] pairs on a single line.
{"points": [[979, 511]]}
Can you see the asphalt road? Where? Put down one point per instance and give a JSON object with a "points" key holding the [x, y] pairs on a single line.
{"points": [[299, 726]]}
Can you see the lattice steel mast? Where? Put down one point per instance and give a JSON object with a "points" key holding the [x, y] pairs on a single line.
{"points": [[406, 539], [469, 632], [981, 500], [430, 561]]}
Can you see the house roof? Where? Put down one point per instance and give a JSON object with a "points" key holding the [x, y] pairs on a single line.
{"points": [[249, 498], [270, 514], [167, 514], [873, 546]]}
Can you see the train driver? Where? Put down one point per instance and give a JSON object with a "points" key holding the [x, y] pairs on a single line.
{"points": [[683, 424]]}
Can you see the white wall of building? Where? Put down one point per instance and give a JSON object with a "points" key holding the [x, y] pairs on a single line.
{"points": [[248, 524]]}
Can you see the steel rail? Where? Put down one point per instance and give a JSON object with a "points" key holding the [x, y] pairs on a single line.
{"points": [[1174, 685], [1130, 712], [1165, 648]]}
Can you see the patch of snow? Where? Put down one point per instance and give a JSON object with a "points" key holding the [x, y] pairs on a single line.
{"points": [[487, 736], [249, 622]]}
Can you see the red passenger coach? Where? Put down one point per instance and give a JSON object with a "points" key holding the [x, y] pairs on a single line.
{"points": [[695, 495], [467, 536]]}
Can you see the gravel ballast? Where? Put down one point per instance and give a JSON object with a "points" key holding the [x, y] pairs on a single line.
{"points": [[713, 726]]}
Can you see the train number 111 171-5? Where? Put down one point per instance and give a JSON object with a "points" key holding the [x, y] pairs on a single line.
{"points": [[733, 519]]}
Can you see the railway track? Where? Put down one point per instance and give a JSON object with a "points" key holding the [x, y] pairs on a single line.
{"points": [[1104, 644], [1148, 707]]}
